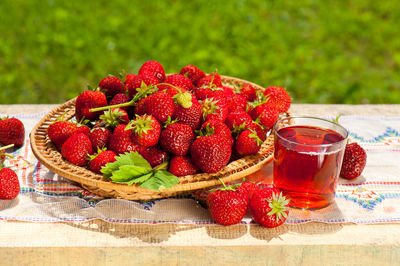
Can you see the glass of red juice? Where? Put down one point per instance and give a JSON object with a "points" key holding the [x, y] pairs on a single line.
{"points": [[308, 154]]}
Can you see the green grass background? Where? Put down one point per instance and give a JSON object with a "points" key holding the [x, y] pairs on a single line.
{"points": [[322, 51]]}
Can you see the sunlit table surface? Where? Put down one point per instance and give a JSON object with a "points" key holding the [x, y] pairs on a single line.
{"points": [[101, 243]]}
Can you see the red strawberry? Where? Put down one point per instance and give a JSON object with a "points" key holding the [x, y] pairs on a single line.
{"points": [[154, 155], [248, 92], [87, 100], [145, 130], [279, 97], [12, 131], [236, 102], [354, 161], [206, 91], [216, 127], [154, 68], [60, 131], [77, 148], [269, 207], [160, 105], [228, 91], [103, 157], [99, 137], [187, 110], [266, 113], [227, 206], [121, 98], [177, 138], [133, 86], [9, 184], [111, 85], [261, 133], [129, 78], [121, 141], [212, 80], [238, 119], [248, 143], [214, 108], [193, 73], [181, 166], [140, 106], [83, 129], [114, 117], [179, 81], [210, 153], [248, 188]]}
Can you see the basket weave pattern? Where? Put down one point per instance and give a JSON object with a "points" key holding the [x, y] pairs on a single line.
{"points": [[49, 156]]}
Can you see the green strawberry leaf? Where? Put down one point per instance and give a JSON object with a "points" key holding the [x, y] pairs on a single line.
{"points": [[160, 180], [128, 172], [140, 179], [131, 158]]}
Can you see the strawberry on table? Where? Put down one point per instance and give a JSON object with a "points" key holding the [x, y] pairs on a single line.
{"points": [[181, 166], [76, 149], [9, 184], [193, 73], [12, 131], [145, 130], [279, 97], [100, 159], [248, 188], [88, 100], [210, 153], [154, 68], [227, 205], [177, 138], [111, 86], [269, 207], [354, 161]]}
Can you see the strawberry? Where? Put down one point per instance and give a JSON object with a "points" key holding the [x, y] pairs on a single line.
{"points": [[87, 100], [140, 106], [210, 153], [100, 159], [120, 141], [248, 188], [248, 143], [177, 138], [111, 86], [160, 105], [141, 81], [236, 102], [269, 207], [187, 110], [207, 91], [60, 131], [227, 205], [145, 130], [181, 166], [266, 113], [214, 108], [82, 129], [129, 78], [154, 68], [228, 91], [9, 184], [179, 81], [114, 117], [260, 131], [121, 98], [77, 148], [211, 80], [248, 92], [216, 127], [279, 97], [154, 155], [99, 137], [238, 119], [193, 73], [354, 161], [12, 131]]}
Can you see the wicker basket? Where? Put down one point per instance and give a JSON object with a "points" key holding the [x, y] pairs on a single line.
{"points": [[48, 155]]}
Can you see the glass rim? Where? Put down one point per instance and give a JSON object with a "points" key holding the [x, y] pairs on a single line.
{"points": [[315, 118]]}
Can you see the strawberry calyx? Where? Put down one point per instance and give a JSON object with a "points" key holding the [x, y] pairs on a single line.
{"points": [[278, 205], [169, 121], [141, 124], [254, 136], [205, 131], [225, 187], [209, 106], [91, 157], [3, 155], [112, 117], [237, 129]]}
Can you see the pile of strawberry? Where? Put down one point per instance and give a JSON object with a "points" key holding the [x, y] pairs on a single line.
{"points": [[229, 204], [189, 119]]}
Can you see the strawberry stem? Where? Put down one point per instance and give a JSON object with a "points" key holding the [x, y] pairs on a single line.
{"points": [[6, 147]]}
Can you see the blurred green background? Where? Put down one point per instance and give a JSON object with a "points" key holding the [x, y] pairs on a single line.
{"points": [[322, 51]]}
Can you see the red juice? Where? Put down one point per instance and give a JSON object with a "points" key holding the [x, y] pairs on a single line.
{"points": [[307, 162]]}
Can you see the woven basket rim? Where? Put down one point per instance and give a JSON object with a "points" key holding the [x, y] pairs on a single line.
{"points": [[49, 156]]}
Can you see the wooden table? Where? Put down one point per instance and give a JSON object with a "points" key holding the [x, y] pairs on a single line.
{"points": [[100, 243]]}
